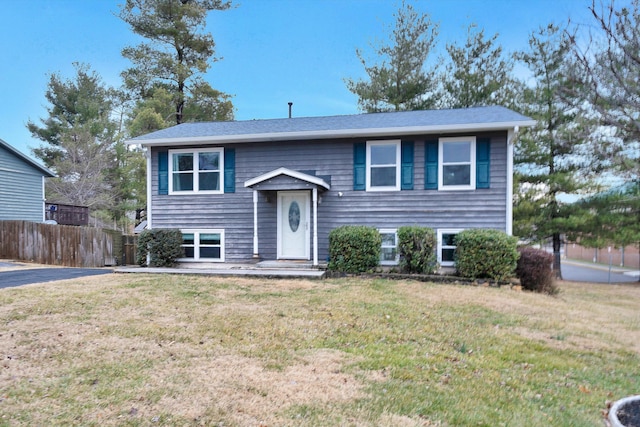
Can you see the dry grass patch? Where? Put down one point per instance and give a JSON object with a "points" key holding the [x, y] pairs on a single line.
{"points": [[183, 350]]}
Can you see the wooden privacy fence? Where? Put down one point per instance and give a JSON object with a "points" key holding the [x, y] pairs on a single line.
{"points": [[55, 244]]}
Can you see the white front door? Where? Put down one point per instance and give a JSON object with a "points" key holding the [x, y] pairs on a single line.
{"points": [[293, 225]]}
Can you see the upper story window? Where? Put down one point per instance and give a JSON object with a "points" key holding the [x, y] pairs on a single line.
{"points": [[457, 160], [196, 171], [383, 165]]}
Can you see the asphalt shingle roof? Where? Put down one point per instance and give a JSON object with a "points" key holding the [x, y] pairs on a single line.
{"points": [[360, 122]]}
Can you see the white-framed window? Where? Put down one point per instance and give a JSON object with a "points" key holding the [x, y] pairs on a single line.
{"points": [[196, 171], [203, 245], [447, 246], [389, 250], [457, 163], [383, 165]]}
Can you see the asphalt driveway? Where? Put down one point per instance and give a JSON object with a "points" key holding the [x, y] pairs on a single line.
{"points": [[21, 276]]}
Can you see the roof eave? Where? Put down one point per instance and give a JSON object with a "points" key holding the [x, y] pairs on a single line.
{"points": [[327, 134], [291, 173], [46, 172]]}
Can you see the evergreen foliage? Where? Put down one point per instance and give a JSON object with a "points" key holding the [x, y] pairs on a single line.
{"points": [[171, 62], [478, 74], [552, 157], [83, 144], [354, 248], [485, 253], [400, 80], [164, 247], [417, 249]]}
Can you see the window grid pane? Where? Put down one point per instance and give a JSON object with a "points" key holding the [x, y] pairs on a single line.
{"points": [[209, 252], [209, 161], [456, 152], [183, 162], [383, 155], [447, 254], [456, 175], [209, 181], [182, 181], [383, 176]]}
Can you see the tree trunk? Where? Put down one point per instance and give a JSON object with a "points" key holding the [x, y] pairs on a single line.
{"points": [[557, 243]]}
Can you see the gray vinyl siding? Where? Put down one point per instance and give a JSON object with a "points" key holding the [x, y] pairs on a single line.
{"points": [[333, 161], [20, 189]]}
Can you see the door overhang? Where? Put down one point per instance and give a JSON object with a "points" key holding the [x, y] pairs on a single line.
{"points": [[287, 180], [283, 179]]}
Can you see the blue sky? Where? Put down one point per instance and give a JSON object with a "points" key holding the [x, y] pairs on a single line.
{"points": [[272, 51]]}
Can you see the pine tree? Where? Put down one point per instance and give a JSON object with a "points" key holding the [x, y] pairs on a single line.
{"points": [[401, 79], [551, 157], [79, 136], [174, 59], [478, 74]]}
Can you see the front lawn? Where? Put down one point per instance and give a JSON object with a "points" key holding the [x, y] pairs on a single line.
{"points": [[183, 350]]}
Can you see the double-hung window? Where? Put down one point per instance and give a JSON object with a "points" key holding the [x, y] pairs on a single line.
{"points": [[203, 245], [389, 250], [196, 171], [457, 160], [447, 246], [383, 165]]}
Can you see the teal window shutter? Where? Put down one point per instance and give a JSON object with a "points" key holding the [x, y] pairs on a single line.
{"points": [[483, 156], [431, 165], [406, 160], [163, 172], [229, 170], [359, 166]]}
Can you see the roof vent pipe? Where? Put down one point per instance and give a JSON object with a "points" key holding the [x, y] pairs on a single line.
{"points": [[290, 105]]}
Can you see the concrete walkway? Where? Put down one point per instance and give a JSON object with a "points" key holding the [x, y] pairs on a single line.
{"points": [[267, 270]]}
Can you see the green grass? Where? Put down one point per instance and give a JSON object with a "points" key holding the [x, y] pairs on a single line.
{"points": [[180, 350]]}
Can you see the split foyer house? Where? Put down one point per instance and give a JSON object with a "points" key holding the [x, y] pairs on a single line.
{"points": [[274, 189], [21, 186]]}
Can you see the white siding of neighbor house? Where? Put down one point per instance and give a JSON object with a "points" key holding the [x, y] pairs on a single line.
{"points": [[21, 189], [332, 160]]}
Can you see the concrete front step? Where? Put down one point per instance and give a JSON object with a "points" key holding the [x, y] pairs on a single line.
{"points": [[287, 264]]}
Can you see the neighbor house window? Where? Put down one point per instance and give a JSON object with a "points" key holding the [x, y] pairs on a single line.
{"points": [[203, 245], [457, 163], [196, 171], [447, 246], [389, 250], [383, 165]]}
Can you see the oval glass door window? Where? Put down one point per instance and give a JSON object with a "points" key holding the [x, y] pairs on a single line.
{"points": [[294, 216]]}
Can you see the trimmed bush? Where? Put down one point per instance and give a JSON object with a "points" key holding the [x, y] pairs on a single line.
{"points": [[535, 270], [163, 245], [484, 253], [354, 248], [417, 249]]}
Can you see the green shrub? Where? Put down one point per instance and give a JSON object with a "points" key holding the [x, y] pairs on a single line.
{"points": [[535, 270], [162, 245], [417, 248], [354, 248], [483, 253]]}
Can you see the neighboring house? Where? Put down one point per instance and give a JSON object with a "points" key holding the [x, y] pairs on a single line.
{"points": [[274, 189], [21, 186]]}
